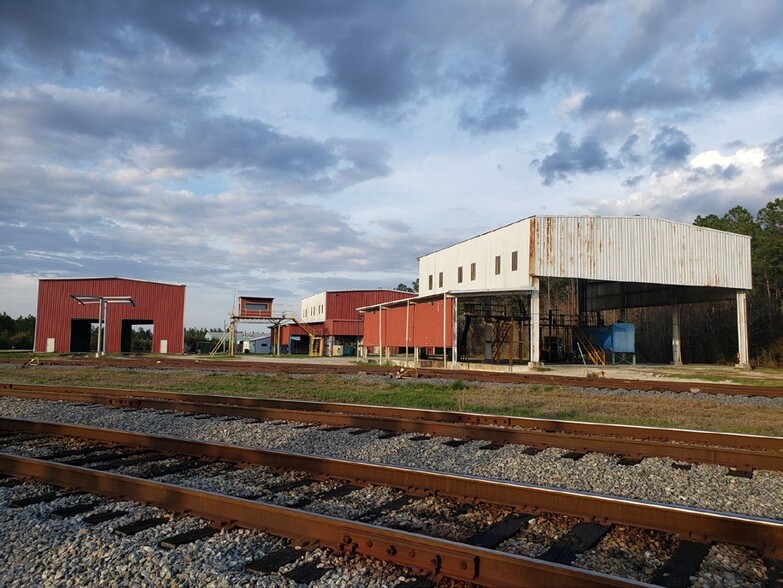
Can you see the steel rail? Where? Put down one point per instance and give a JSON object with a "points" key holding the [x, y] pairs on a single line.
{"points": [[738, 451], [466, 375], [693, 524], [435, 556]]}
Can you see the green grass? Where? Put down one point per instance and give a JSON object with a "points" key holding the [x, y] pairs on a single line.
{"points": [[540, 400]]}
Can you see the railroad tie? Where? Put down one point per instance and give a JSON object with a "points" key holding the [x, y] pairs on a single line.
{"points": [[579, 539], [72, 511], [684, 563], [395, 504], [492, 446], [306, 573], [681, 466], [388, 435], [774, 572], [495, 535], [358, 432], [740, 472], [421, 438], [178, 467], [331, 429], [274, 561], [11, 482], [532, 451], [72, 453], [35, 499], [121, 463], [140, 525], [79, 461], [288, 486], [629, 461], [455, 442], [102, 517], [338, 492], [188, 537], [574, 455]]}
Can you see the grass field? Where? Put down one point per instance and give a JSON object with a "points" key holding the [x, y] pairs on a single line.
{"points": [[543, 401]]}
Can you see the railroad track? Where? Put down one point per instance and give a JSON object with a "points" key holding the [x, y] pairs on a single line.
{"points": [[465, 375], [743, 454], [441, 525]]}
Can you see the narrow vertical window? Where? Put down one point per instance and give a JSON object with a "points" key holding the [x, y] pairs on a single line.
{"points": [[459, 275], [514, 257], [430, 281], [440, 280], [473, 271], [497, 265]]}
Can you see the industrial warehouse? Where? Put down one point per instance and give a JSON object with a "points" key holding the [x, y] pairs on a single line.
{"points": [[485, 289]]}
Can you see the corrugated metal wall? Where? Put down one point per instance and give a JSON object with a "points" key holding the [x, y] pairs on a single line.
{"points": [[162, 303], [343, 305], [425, 325], [640, 249]]}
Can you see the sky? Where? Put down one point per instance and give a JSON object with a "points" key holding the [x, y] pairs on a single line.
{"points": [[282, 148]]}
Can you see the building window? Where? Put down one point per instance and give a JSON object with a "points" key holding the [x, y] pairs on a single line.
{"points": [[514, 257], [440, 280], [256, 306], [459, 274], [473, 271], [430, 281], [497, 265]]}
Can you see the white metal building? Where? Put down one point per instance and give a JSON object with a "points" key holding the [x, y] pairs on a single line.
{"points": [[622, 262]]}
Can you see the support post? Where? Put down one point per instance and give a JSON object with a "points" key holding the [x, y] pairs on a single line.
{"points": [[676, 342], [100, 324], [407, 323], [535, 328], [743, 354], [380, 335], [454, 333], [444, 331]]}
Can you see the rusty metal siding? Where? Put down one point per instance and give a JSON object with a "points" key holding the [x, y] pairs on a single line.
{"points": [[425, 325], [642, 250], [162, 303]]}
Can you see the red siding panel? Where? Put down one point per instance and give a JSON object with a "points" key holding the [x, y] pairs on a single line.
{"points": [[164, 304], [343, 305], [425, 325]]}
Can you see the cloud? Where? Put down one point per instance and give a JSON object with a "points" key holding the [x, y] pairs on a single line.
{"points": [[570, 158], [708, 183], [670, 146], [492, 119]]}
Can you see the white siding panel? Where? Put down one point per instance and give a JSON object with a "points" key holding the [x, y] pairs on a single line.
{"points": [[313, 309], [482, 251], [640, 249]]}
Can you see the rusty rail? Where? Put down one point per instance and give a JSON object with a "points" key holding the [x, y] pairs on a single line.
{"points": [[693, 524], [739, 451], [435, 556]]}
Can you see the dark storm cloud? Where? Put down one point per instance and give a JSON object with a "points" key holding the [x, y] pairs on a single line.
{"points": [[380, 57], [670, 147], [570, 158]]}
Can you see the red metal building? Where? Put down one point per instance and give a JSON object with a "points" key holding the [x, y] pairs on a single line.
{"points": [[333, 316], [64, 325], [254, 307], [425, 323]]}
